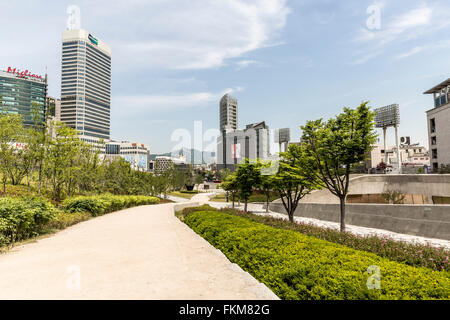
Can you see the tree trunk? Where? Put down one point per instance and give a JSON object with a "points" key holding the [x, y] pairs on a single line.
{"points": [[245, 205], [291, 216], [290, 209], [40, 179], [267, 202], [342, 202]]}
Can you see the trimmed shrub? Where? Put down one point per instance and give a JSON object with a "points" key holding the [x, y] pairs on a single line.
{"points": [[101, 204], [413, 254], [298, 267], [63, 220], [22, 218]]}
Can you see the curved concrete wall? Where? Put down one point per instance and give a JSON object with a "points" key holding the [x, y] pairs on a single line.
{"points": [[426, 184], [431, 221]]}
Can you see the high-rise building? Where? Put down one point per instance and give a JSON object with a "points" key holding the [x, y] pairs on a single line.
{"points": [[438, 119], [86, 84], [228, 113], [234, 146], [54, 108], [24, 93]]}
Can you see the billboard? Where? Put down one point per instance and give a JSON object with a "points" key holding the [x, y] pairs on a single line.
{"points": [[143, 161], [387, 116], [236, 151]]}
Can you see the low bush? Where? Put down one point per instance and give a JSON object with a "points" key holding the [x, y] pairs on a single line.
{"points": [[413, 254], [296, 266], [22, 218], [63, 220], [101, 204]]}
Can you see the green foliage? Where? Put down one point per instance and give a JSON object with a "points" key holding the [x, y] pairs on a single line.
{"points": [[248, 176], [413, 254], [393, 196], [298, 267], [22, 218], [11, 130], [101, 204], [63, 220], [335, 146], [444, 169], [295, 178], [231, 185], [57, 163]]}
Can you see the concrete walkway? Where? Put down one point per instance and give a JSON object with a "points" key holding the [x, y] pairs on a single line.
{"points": [[138, 253]]}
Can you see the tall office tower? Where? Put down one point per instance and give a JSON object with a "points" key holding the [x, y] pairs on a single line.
{"points": [[86, 84], [228, 113]]}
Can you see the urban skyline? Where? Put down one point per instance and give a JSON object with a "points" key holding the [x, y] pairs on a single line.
{"points": [[158, 92]]}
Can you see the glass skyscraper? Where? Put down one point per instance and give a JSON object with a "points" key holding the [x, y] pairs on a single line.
{"points": [[19, 90], [86, 84]]}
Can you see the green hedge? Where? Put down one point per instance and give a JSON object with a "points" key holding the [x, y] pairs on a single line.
{"points": [[413, 254], [101, 204], [296, 266], [22, 218]]}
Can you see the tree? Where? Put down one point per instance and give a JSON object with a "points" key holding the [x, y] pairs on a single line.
{"points": [[267, 185], [10, 128], [336, 145], [198, 179], [295, 178], [230, 185], [248, 176], [63, 151]]}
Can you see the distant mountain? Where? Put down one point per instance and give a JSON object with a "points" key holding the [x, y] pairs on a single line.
{"points": [[192, 156]]}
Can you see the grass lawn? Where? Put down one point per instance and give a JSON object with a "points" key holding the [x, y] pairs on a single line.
{"points": [[183, 194]]}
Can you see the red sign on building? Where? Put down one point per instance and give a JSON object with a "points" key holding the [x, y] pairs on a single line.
{"points": [[23, 74]]}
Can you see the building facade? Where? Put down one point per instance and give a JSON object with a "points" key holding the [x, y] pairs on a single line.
{"points": [[164, 163], [413, 155], [137, 154], [234, 146], [86, 84], [24, 93], [438, 119], [228, 113], [53, 108]]}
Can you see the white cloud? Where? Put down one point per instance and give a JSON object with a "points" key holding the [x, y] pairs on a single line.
{"points": [[413, 51], [245, 63], [198, 34], [399, 26], [142, 104], [415, 23], [427, 47], [363, 58]]}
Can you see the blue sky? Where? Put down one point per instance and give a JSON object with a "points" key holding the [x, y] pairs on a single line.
{"points": [[285, 61]]}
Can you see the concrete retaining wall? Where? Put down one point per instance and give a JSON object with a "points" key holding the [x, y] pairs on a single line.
{"points": [[424, 184], [431, 221]]}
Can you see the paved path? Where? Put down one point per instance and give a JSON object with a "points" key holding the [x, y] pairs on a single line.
{"points": [[138, 253]]}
